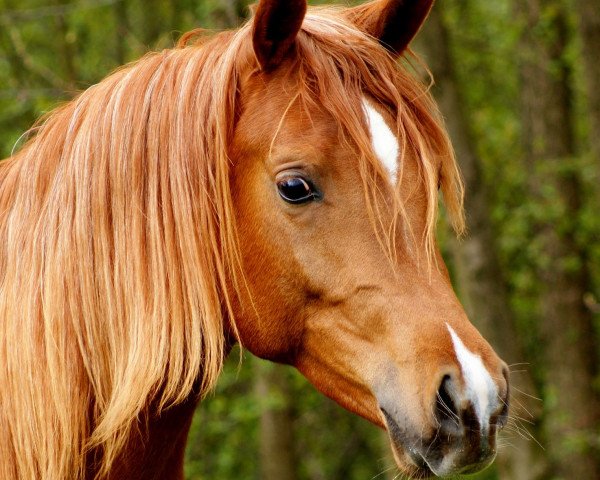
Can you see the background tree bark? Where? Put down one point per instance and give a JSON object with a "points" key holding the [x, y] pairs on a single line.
{"points": [[477, 265], [277, 459], [68, 49], [121, 32], [588, 12], [572, 406]]}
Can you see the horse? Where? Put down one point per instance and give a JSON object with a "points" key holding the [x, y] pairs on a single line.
{"points": [[274, 186]]}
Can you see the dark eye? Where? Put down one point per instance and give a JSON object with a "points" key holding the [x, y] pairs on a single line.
{"points": [[297, 190]]}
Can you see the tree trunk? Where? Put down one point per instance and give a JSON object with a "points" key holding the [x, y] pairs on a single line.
{"points": [[277, 459], [68, 51], [121, 32], [572, 408], [588, 12], [478, 269], [152, 22]]}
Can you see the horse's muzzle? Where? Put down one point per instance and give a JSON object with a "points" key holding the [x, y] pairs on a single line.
{"points": [[462, 441]]}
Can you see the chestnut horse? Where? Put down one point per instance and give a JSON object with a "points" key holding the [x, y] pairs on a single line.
{"points": [[274, 186]]}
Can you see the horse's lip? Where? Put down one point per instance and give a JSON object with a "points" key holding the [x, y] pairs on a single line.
{"points": [[423, 468], [404, 448], [400, 445], [419, 468]]}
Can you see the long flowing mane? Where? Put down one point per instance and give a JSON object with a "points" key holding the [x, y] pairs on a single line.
{"points": [[118, 253]]}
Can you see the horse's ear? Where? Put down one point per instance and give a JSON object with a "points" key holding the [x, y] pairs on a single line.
{"points": [[276, 25], [393, 22]]}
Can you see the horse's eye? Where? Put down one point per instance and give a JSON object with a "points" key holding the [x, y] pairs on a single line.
{"points": [[297, 190]]}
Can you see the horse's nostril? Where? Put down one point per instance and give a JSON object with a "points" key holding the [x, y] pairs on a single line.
{"points": [[502, 417], [467, 411], [445, 407]]}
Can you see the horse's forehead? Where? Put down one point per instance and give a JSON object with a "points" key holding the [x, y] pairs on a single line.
{"points": [[279, 96], [275, 117]]}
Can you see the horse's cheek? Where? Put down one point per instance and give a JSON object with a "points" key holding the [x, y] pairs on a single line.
{"points": [[269, 304]]}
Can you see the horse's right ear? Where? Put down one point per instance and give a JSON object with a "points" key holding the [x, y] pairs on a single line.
{"points": [[276, 25], [393, 22]]}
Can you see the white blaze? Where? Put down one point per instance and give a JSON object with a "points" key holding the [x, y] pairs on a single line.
{"points": [[480, 388], [385, 143]]}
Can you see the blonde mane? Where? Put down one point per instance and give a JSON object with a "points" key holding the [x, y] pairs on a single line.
{"points": [[118, 248]]}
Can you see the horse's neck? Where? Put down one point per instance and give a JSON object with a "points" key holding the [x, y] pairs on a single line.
{"points": [[160, 453]]}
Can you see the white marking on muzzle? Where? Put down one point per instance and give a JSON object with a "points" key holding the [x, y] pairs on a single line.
{"points": [[480, 389], [385, 143]]}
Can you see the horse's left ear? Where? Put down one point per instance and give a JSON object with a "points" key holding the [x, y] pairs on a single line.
{"points": [[275, 27], [393, 22]]}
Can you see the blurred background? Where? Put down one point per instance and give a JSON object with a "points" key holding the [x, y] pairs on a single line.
{"points": [[518, 82]]}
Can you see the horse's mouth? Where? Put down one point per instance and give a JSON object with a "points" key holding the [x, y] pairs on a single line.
{"points": [[419, 468], [407, 457], [443, 455], [415, 465]]}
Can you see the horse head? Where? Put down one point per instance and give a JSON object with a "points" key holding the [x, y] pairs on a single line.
{"points": [[337, 157]]}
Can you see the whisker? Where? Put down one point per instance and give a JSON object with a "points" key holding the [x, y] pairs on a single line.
{"points": [[514, 416], [383, 472], [518, 364], [522, 406], [503, 445], [519, 429], [451, 415], [437, 432], [526, 394]]}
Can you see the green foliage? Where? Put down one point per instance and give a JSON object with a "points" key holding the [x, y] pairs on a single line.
{"points": [[48, 53], [330, 443]]}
